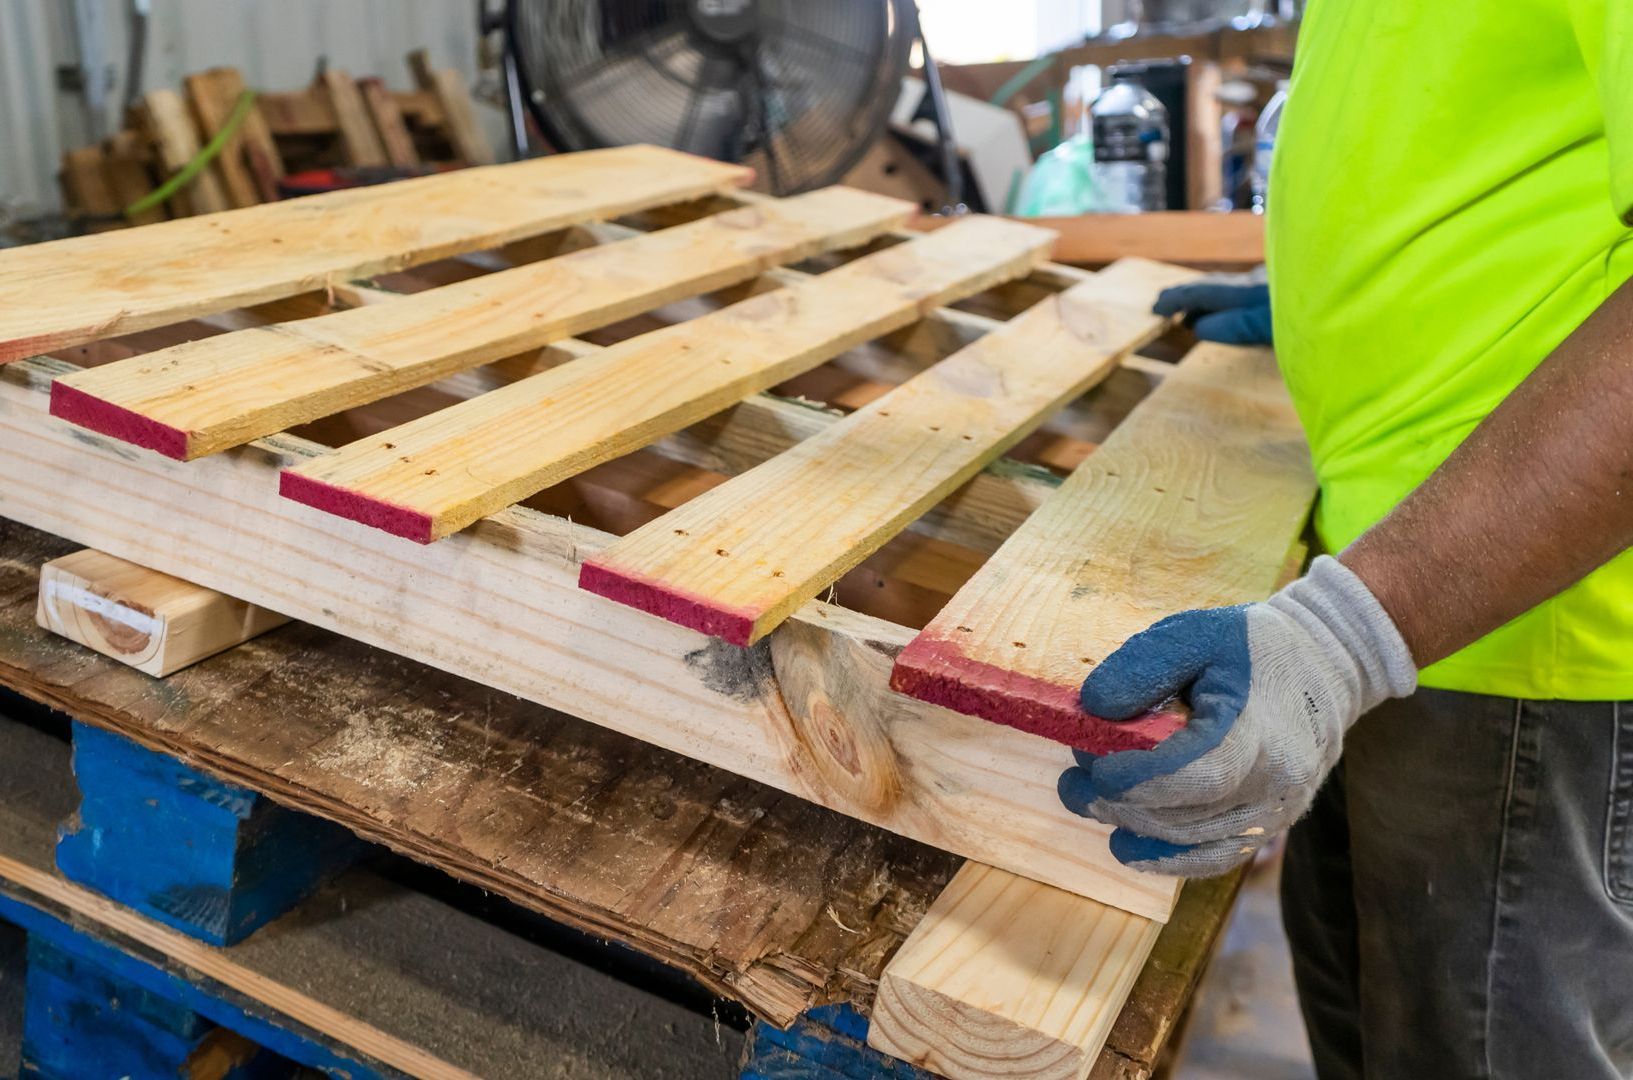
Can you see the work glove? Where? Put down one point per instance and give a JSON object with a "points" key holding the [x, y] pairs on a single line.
{"points": [[1272, 688], [1229, 308]]}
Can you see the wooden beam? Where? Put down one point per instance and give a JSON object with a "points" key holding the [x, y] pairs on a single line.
{"points": [[388, 121], [67, 292], [213, 100], [458, 112], [359, 142], [738, 560], [1005, 977], [151, 621], [1231, 241], [172, 130], [807, 711], [207, 395], [1194, 501], [435, 475]]}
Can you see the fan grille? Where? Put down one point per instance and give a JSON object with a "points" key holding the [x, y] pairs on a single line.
{"points": [[797, 89]]}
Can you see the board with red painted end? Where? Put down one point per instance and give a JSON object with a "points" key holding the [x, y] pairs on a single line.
{"points": [[1194, 501]]}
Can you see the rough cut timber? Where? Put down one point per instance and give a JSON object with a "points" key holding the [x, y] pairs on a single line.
{"points": [[741, 558], [206, 395], [151, 621], [436, 475], [1194, 501], [76, 290], [807, 711], [1005, 977]]}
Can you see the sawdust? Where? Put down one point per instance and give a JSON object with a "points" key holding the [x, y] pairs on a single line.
{"points": [[372, 751]]}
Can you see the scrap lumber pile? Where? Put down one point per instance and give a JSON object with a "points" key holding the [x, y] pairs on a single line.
{"points": [[336, 121], [566, 456]]}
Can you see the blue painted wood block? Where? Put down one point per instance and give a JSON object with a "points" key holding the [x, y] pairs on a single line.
{"points": [[81, 1020], [827, 1043], [137, 977], [212, 860]]}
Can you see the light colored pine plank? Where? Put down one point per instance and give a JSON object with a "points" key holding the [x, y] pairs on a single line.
{"points": [[1005, 977], [71, 291], [260, 150], [152, 621], [206, 395], [438, 474], [358, 140], [212, 106], [808, 711], [1193, 501], [458, 111], [175, 137], [740, 559], [388, 121]]}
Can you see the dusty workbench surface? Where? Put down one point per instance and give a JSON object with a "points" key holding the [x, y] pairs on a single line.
{"points": [[764, 898]]}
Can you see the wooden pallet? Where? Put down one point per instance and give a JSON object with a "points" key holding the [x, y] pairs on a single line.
{"points": [[895, 505]]}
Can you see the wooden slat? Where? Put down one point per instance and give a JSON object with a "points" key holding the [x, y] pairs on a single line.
{"points": [[86, 181], [435, 475], [1194, 501], [151, 621], [388, 121], [127, 161], [176, 138], [738, 560], [1005, 977], [808, 711], [458, 112], [206, 395], [213, 102], [260, 151], [71, 291], [359, 142], [297, 112]]}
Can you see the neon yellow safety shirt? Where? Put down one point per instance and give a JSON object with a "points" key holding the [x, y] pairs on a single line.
{"points": [[1446, 205]]}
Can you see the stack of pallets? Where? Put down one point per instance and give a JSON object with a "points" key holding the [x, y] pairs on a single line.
{"points": [[618, 507]]}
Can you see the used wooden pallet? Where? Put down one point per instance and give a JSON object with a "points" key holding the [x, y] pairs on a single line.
{"points": [[1203, 500]]}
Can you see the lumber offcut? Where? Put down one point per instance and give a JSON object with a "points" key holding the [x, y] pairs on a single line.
{"points": [[151, 621], [739, 559], [203, 396], [1194, 501], [1005, 977], [433, 476], [71, 291]]}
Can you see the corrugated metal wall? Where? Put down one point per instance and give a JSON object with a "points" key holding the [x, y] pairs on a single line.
{"points": [[275, 43]]}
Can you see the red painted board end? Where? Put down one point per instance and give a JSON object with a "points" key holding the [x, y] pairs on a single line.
{"points": [[731, 624], [388, 517]]}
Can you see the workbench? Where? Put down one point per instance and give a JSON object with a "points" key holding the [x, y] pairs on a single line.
{"points": [[767, 901]]}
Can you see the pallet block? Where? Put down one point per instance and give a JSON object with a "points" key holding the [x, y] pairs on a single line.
{"points": [[827, 1043], [210, 859]]}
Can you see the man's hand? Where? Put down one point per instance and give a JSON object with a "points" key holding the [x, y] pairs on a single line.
{"points": [[1230, 308], [1272, 687]]}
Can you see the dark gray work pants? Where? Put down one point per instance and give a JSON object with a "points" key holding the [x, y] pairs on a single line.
{"points": [[1460, 898]]}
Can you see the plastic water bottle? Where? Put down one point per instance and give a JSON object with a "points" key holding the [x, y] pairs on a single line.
{"points": [[1130, 147], [1264, 146]]}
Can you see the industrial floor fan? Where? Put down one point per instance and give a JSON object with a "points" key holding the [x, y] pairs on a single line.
{"points": [[796, 89]]}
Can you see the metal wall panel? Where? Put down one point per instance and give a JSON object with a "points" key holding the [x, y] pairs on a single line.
{"points": [[275, 43]]}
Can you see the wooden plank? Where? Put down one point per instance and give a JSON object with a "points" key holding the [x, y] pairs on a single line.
{"points": [[807, 711], [86, 181], [212, 107], [737, 561], [151, 621], [297, 112], [358, 140], [1006, 977], [436, 475], [458, 112], [71, 291], [176, 138], [260, 151], [1194, 501], [1200, 239], [224, 391], [388, 121], [127, 165]]}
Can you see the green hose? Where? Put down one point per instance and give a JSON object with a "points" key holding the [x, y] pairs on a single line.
{"points": [[212, 150]]}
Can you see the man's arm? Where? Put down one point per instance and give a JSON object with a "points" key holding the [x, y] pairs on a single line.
{"points": [[1539, 495]]}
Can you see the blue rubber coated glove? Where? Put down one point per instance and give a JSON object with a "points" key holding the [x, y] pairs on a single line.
{"points": [[1272, 687], [1229, 308]]}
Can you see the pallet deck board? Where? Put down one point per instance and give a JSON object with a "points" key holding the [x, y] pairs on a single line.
{"points": [[204, 396], [434, 476], [735, 562], [1194, 501], [71, 291]]}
